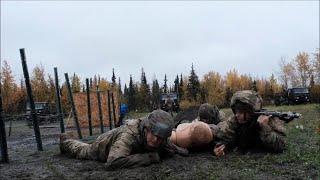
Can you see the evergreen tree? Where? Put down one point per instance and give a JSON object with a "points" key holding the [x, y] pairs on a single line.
{"points": [[254, 86], [125, 94], [228, 96], [144, 93], [155, 94], [193, 85], [119, 86], [131, 95], [113, 78], [181, 92], [165, 86], [90, 84], [176, 84]]}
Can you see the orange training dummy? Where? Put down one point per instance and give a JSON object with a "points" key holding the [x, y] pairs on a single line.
{"points": [[190, 135]]}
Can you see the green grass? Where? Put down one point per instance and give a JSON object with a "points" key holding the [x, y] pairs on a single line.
{"points": [[301, 159]]}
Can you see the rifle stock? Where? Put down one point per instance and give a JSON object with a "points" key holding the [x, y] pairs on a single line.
{"points": [[284, 116]]}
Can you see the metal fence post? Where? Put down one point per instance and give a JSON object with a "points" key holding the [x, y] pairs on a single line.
{"points": [[75, 116], [89, 106], [32, 107], [109, 109], [100, 110], [58, 100]]}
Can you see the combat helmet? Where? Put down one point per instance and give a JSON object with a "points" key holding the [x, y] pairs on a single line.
{"points": [[209, 113], [246, 99], [159, 122]]}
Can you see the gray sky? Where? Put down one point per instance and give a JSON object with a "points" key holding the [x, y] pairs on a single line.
{"points": [[162, 37]]}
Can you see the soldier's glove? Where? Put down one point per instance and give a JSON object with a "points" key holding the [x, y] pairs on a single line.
{"points": [[154, 157]]}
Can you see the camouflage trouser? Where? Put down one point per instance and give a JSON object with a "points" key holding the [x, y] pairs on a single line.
{"points": [[78, 149]]}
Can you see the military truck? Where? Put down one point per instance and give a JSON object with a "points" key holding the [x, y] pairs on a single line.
{"points": [[293, 96], [46, 112], [169, 102]]}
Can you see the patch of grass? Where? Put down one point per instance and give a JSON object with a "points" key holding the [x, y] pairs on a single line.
{"points": [[54, 170]]}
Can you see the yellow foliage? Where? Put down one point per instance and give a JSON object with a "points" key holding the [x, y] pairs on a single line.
{"points": [[214, 88], [184, 104]]}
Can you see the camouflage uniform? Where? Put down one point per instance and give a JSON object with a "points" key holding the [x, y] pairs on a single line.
{"points": [[209, 114], [124, 146], [251, 134]]}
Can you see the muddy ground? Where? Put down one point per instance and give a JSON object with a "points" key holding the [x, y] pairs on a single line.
{"points": [[301, 160]]}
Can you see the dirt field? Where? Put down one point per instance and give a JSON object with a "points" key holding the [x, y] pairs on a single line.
{"points": [[301, 160]]}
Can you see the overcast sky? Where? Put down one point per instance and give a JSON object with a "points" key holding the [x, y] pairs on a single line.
{"points": [[162, 37]]}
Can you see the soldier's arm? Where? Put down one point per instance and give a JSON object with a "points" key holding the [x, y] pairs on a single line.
{"points": [[272, 138], [120, 154], [171, 149], [225, 134]]}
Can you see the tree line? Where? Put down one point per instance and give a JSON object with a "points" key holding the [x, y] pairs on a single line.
{"points": [[302, 71]]}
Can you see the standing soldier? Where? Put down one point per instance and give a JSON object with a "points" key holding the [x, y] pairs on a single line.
{"points": [[246, 130], [137, 143]]}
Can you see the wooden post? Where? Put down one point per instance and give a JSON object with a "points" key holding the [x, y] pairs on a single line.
{"points": [[114, 111], [30, 97], [109, 109], [100, 110], [75, 116], [89, 106], [3, 139], [58, 101]]}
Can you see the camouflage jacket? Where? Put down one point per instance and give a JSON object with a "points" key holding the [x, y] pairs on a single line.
{"points": [[269, 137], [119, 148]]}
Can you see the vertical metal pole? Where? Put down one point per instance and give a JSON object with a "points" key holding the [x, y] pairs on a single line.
{"points": [[100, 110], [114, 111], [89, 106], [32, 107], [58, 101], [3, 139], [75, 116], [109, 110]]}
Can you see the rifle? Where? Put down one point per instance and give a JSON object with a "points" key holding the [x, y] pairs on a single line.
{"points": [[284, 116]]}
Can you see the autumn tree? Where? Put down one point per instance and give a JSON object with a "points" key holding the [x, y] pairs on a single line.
{"points": [[104, 85], [304, 67], [52, 89], [316, 66], [213, 85], [75, 83], [233, 81], [287, 74], [39, 84], [9, 88]]}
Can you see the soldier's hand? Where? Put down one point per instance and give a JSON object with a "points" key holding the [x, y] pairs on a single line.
{"points": [[263, 120], [219, 150]]}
